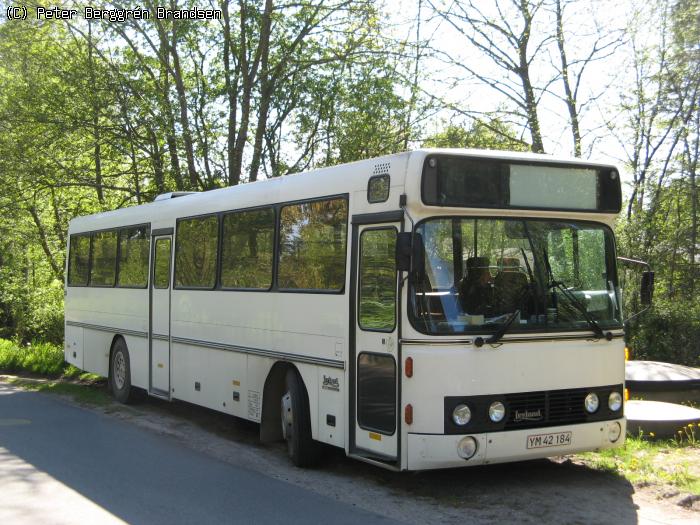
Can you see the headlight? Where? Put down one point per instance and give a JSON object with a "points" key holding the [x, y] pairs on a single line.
{"points": [[466, 447], [461, 415], [497, 411], [591, 402], [615, 401]]}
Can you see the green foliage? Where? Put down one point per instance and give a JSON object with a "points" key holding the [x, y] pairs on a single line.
{"points": [[40, 358], [493, 134], [670, 331]]}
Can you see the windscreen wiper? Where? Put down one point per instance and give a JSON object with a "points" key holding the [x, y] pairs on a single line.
{"points": [[479, 341], [581, 308], [597, 330]]}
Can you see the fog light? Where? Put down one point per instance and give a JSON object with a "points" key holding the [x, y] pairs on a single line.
{"points": [[591, 402], [614, 432], [615, 401], [461, 415], [497, 411], [466, 448]]}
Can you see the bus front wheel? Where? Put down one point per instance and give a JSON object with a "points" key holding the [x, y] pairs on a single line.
{"points": [[296, 422], [120, 373]]}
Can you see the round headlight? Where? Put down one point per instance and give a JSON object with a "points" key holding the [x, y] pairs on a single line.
{"points": [[497, 411], [591, 402], [461, 415], [615, 401], [466, 447], [614, 432]]}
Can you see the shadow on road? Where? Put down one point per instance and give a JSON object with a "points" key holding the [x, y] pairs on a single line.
{"points": [[539, 490], [531, 492]]}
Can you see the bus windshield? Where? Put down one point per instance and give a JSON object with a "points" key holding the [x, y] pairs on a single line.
{"points": [[480, 273]]}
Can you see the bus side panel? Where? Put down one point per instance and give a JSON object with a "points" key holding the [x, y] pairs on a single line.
{"points": [[189, 369], [252, 397], [96, 345], [138, 357], [331, 413], [227, 374], [73, 352], [309, 374]]}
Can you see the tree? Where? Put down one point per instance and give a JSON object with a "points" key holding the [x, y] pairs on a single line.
{"points": [[507, 37], [492, 134]]}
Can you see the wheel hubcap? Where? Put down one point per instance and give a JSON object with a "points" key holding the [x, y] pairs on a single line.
{"points": [[287, 416], [119, 370]]}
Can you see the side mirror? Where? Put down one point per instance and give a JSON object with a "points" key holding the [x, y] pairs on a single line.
{"points": [[647, 288], [410, 253]]}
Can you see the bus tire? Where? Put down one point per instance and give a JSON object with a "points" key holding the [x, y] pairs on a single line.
{"points": [[296, 422], [120, 373]]}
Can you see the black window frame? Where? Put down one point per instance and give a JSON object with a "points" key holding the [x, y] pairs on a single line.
{"points": [[171, 274], [217, 260], [396, 383], [70, 249], [369, 186], [275, 236], [553, 164], [89, 234], [92, 258], [611, 259], [279, 207], [147, 226], [359, 282]]}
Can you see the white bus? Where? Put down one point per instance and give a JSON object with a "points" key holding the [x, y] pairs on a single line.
{"points": [[430, 309]]}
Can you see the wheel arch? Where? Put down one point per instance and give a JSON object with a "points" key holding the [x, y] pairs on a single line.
{"points": [[270, 426], [116, 338]]}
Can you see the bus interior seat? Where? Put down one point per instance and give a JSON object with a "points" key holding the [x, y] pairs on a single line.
{"points": [[510, 285], [475, 289]]}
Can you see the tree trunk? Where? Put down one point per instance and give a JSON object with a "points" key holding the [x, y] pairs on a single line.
{"points": [[182, 102], [266, 87], [95, 121], [57, 270], [524, 73], [570, 98]]}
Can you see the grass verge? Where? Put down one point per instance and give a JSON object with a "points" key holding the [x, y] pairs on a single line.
{"points": [[674, 463], [44, 359], [87, 391]]}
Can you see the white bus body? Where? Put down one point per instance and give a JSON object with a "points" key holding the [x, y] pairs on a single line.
{"points": [[234, 350]]}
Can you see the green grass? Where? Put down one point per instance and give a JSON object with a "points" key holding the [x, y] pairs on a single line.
{"points": [[88, 391], [41, 358], [647, 461]]}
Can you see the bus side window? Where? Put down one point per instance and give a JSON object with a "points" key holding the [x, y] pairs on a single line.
{"points": [[161, 267], [79, 260], [246, 249], [196, 251], [312, 246], [377, 304], [103, 270], [133, 257]]}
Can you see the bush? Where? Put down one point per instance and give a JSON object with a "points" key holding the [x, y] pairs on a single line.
{"points": [[669, 332], [40, 358]]}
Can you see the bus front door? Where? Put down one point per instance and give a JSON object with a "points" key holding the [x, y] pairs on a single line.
{"points": [[375, 372], [159, 337]]}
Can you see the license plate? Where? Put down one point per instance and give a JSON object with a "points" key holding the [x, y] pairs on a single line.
{"points": [[557, 439]]}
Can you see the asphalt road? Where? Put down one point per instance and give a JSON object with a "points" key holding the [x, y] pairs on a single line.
{"points": [[64, 464]]}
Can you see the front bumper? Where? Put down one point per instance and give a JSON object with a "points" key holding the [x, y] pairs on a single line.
{"points": [[433, 451]]}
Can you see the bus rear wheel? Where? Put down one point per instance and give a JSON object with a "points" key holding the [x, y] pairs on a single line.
{"points": [[120, 373], [296, 422]]}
